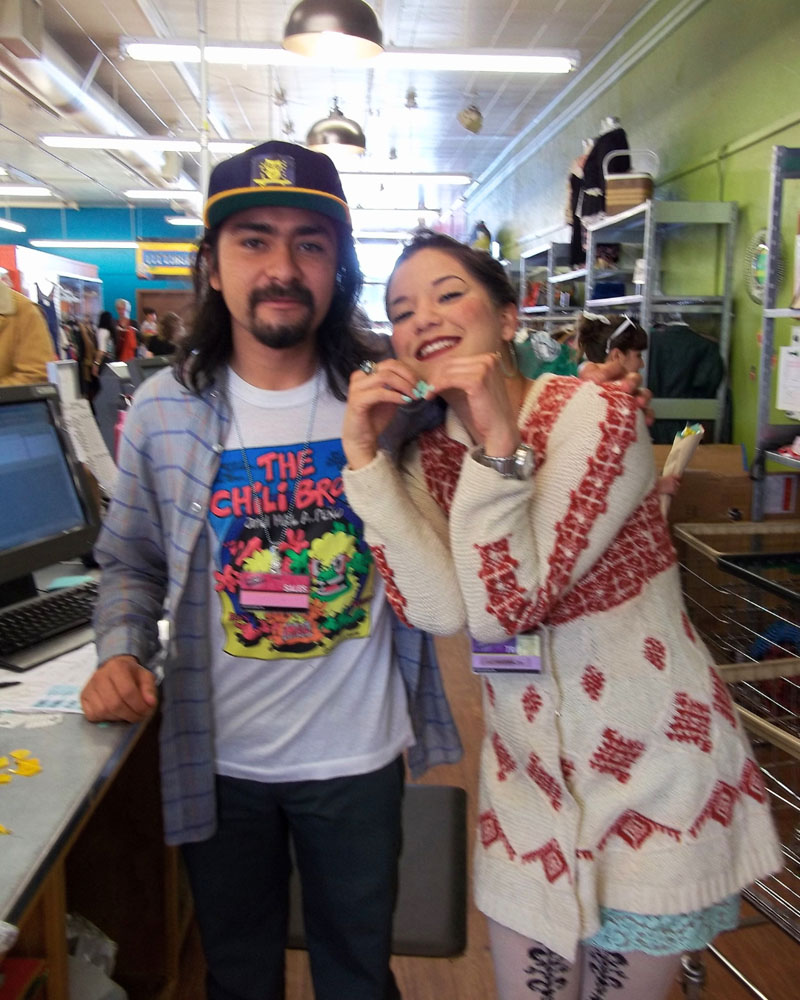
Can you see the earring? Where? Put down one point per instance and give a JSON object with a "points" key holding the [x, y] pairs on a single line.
{"points": [[512, 352]]}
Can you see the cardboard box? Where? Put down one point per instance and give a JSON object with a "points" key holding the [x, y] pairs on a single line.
{"points": [[715, 487]]}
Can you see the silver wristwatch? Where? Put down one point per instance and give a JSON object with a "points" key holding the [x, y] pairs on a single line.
{"points": [[516, 466]]}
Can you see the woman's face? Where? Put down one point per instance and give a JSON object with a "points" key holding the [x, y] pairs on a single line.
{"points": [[438, 310], [632, 361]]}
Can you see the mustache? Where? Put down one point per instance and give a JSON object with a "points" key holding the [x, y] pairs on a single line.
{"points": [[294, 290]]}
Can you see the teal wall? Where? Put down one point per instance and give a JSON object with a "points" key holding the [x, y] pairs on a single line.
{"points": [[710, 85], [117, 268]]}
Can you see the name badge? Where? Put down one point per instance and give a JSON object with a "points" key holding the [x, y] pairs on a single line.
{"points": [[519, 654], [274, 591]]}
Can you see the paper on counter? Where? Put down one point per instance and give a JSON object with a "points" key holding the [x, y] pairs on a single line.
{"points": [[54, 686]]}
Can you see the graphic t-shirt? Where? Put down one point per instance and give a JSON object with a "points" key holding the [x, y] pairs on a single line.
{"points": [[304, 685]]}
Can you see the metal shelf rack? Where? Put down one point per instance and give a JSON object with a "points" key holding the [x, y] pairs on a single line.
{"points": [[647, 228], [771, 436]]}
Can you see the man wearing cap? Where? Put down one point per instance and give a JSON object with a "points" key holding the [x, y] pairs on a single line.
{"points": [[283, 713]]}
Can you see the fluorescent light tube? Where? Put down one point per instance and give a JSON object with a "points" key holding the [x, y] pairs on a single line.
{"points": [[465, 61], [183, 220], [84, 244], [163, 194], [24, 191], [15, 227]]}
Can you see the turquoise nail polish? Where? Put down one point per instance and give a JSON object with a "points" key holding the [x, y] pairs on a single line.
{"points": [[422, 388], [406, 399]]}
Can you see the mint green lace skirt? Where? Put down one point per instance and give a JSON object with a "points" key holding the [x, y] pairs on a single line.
{"points": [[667, 934]]}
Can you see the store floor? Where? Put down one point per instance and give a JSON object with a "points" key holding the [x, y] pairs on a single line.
{"points": [[768, 957]]}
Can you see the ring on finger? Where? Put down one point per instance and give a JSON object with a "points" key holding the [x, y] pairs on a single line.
{"points": [[368, 367]]}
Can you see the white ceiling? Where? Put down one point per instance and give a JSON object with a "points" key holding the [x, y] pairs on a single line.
{"points": [[83, 39]]}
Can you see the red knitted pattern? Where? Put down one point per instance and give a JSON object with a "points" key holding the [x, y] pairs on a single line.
{"points": [[691, 722], [639, 553], [441, 459], [567, 768], [505, 762], [593, 681], [541, 777], [531, 702], [553, 861], [751, 782], [552, 400], [719, 807], [491, 833], [655, 652], [635, 829], [721, 699], [687, 626], [616, 755], [396, 599], [490, 692]]}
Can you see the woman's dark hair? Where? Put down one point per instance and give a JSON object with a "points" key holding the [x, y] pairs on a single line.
{"points": [[168, 326], [597, 337], [478, 263], [343, 338], [105, 321]]}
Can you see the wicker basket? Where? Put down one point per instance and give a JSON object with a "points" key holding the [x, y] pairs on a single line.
{"points": [[630, 189]]}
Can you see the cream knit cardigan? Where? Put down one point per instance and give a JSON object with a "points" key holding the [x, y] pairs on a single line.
{"points": [[620, 775]]}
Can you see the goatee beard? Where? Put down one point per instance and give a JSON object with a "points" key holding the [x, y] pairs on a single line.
{"points": [[281, 336]]}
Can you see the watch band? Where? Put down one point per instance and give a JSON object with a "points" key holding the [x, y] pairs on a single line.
{"points": [[516, 466]]}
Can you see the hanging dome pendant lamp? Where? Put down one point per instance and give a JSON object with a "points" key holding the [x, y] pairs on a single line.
{"points": [[336, 131], [349, 30]]}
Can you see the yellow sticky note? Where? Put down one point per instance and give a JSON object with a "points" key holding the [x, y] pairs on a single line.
{"points": [[20, 754], [3, 761], [4, 779], [4, 829]]}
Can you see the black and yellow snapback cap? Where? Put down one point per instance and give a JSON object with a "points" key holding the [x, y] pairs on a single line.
{"points": [[276, 173]]}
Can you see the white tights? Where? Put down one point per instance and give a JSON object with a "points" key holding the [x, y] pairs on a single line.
{"points": [[527, 970]]}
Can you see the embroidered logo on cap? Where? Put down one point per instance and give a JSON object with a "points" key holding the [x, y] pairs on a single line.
{"points": [[272, 171]]}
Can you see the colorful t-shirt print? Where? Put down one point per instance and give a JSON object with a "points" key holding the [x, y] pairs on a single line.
{"points": [[316, 591]]}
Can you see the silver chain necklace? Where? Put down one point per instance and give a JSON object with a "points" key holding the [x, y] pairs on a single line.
{"points": [[261, 517]]}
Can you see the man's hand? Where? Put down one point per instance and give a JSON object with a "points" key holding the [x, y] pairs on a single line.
{"points": [[122, 690]]}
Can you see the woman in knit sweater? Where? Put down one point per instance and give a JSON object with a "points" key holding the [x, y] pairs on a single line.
{"points": [[620, 808]]}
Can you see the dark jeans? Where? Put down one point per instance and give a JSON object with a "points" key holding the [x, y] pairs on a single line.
{"points": [[346, 834]]}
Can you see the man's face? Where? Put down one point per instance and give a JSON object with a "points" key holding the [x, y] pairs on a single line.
{"points": [[276, 271]]}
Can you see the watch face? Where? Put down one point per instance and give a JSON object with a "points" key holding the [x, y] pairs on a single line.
{"points": [[523, 460]]}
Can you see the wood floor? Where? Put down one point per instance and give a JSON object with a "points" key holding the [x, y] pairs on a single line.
{"points": [[768, 957]]}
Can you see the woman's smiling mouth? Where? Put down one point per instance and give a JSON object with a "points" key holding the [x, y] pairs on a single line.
{"points": [[435, 346]]}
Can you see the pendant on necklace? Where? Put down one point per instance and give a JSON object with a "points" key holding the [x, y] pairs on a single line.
{"points": [[275, 559]]}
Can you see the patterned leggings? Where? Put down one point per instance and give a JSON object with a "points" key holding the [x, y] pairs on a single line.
{"points": [[527, 970]]}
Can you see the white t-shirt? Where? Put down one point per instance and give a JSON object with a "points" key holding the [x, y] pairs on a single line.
{"points": [[304, 684]]}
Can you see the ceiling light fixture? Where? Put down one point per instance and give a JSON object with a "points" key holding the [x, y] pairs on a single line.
{"points": [[24, 191], [420, 176], [84, 244], [163, 194], [143, 143], [183, 220], [336, 131], [344, 30], [15, 227], [504, 61]]}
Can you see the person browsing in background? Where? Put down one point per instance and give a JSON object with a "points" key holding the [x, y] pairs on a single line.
{"points": [[149, 326], [126, 336], [613, 347], [621, 810], [284, 714], [25, 342], [168, 334]]}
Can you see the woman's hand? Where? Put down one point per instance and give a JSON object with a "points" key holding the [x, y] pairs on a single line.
{"points": [[492, 416], [372, 402]]}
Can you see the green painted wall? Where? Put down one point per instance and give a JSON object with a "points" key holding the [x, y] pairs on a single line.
{"points": [[710, 85]]}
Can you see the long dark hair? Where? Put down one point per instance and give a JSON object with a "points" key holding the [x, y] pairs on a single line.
{"points": [[343, 338], [478, 263]]}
